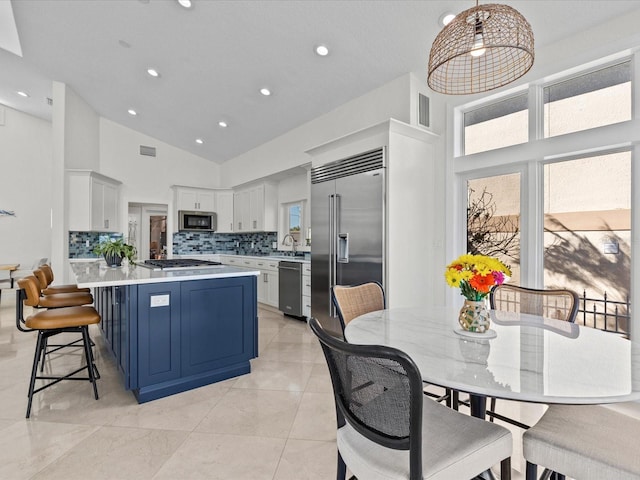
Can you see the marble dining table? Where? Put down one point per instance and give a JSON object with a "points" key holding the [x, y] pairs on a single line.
{"points": [[530, 358]]}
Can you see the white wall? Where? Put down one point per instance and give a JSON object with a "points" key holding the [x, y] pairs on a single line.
{"points": [[75, 139], [25, 169], [148, 179], [287, 151]]}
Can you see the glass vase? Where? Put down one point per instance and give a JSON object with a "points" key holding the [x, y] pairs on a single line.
{"points": [[474, 316]]}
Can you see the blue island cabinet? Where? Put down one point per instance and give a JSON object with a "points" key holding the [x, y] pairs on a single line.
{"points": [[169, 337]]}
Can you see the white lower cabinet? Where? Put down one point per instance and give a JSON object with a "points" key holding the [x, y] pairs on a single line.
{"points": [[306, 290], [268, 279], [268, 282]]}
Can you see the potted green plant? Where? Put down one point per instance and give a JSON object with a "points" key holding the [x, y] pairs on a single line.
{"points": [[114, 250]]}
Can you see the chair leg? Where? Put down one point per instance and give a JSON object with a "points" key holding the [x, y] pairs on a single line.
{"points": [[342, 468], [455, 399], [34, 370], [505, 469], [492, 408], [89, 357], [532, 471]]}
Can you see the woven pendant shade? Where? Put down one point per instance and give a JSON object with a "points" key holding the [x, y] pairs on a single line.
{"points": [[483, 48]]}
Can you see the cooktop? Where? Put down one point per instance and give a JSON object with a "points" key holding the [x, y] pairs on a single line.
{"points": [[177, 264]]}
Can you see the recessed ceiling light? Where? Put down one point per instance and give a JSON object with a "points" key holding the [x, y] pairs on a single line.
{"points": [[185, 3], [445, 18], [199, 141], [22, 94], [322, 50], [223, 124], [153, 72], [265, 91], [132, 112]]}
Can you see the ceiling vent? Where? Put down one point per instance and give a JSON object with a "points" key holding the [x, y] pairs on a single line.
{"points": [[423, 110], [148, 151]]}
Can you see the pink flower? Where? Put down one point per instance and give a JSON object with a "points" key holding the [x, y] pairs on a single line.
{"points": [[498, 277]]}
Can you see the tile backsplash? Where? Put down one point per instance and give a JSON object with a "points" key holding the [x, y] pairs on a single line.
{"points": [[185, 243], [81, 244]]}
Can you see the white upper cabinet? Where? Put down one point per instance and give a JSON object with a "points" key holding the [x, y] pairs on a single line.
{"points": [[93, 202], [224, 210], [195, 199], [256, 208]]}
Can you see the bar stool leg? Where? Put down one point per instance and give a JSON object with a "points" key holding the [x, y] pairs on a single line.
{"points": [[34, 370], [43, 353], [89, 357]]}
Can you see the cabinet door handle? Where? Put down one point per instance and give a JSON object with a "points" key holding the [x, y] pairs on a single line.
{"points": [[231, 226], [255, 224], [265, 278]]}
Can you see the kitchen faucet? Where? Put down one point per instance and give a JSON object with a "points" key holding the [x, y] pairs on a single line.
{"points": [[293, 244]]}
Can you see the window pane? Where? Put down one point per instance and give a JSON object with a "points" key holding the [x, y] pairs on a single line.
{"points": [[587, 237], [294, 221], [593, 100], [497, 125], [493, 220]]}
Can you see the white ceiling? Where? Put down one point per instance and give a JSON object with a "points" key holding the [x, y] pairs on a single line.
{"points": [[215, 57]]}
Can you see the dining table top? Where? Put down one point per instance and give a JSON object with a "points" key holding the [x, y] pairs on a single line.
{"points": [[9, 266], [531, 358]]}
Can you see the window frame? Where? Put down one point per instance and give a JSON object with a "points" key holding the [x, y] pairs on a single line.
{"points": [[530, 158]]}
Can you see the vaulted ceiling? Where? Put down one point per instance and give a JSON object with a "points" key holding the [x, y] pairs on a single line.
{"points": [[215, 57]]}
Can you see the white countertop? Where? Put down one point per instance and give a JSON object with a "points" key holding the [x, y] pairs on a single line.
{"points": [[95, 273], [279, 258]]}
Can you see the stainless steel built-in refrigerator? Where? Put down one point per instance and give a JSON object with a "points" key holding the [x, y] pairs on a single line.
{"points": [[347, 227]]}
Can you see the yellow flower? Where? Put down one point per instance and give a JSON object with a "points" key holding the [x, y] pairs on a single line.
{"points": [[453, 277], [467, 271]]}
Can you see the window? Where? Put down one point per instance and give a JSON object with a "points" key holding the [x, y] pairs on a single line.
{"points": [[587, 233], [598, 98], [295, 221], [571, 202], [493, 220], [497, 125]]}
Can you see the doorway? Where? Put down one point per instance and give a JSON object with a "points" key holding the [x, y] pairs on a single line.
{"points": [[148, 230]]}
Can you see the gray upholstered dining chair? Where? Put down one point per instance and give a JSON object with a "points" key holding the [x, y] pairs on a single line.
{"points": [[586, 442], [351, 301], [387, 429], [561, 304]]}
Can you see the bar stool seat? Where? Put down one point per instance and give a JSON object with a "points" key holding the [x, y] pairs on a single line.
{"points": [[60, 300], [63, 318]]}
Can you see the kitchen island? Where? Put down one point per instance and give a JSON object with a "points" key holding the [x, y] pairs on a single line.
{"points": [[173, 331]]}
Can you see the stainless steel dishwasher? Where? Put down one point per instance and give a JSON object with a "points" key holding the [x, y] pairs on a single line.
{"points": [[290, 288]]}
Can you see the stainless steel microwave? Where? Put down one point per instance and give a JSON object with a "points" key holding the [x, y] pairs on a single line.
{"points": [[197, 221]]}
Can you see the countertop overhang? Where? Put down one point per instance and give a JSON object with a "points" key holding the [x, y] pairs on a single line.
{"points": [[96, 273]]}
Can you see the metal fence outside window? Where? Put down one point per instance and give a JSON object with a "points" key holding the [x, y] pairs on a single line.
{"points": [[604, 314]]}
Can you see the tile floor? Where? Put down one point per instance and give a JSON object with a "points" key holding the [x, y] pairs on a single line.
{"points": [[276, 423]]}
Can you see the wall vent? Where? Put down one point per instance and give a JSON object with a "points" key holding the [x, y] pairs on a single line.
{"points": [[423, 110], [148, 151]]}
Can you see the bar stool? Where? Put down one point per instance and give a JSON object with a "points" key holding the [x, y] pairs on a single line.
{"points": [[52, 322], [66, 297], [44, 275]]}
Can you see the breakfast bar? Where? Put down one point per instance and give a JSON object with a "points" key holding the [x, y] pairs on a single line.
{"points": [[172, 331]]}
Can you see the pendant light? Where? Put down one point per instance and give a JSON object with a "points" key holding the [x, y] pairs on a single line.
{"points": [[481, 49]]}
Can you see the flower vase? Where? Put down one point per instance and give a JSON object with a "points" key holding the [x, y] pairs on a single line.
{"points": [[113, 260], [474, 316]]}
